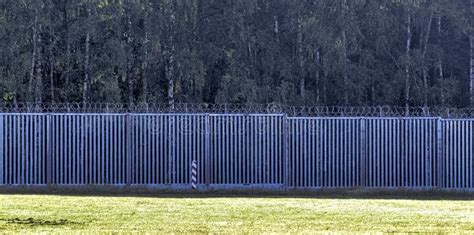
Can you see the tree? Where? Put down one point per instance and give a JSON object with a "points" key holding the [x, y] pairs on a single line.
{"points": [[398, 53], [472, 54]]}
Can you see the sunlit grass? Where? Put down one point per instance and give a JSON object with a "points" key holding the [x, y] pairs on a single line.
{"points": [[19, 213]]}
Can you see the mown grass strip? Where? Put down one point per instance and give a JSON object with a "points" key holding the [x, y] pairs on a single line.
{"points": [[37, 213]]}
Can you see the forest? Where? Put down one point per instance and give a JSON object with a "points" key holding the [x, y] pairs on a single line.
{"points": [[404, 53]]}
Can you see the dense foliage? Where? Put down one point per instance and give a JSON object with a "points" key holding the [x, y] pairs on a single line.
{"points": [[325, 52]]}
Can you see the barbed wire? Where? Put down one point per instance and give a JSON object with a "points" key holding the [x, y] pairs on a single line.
{"points": [[272, 108]]}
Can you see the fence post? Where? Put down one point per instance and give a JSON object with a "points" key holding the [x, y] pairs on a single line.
{"points": [[439, 152], [207, 170], [49, 163], [286, 151], [1, 149], [171, 149], [363, 153], [128, 148]]}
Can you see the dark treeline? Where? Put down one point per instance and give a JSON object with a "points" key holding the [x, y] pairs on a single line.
{"points": [[297, 52]]}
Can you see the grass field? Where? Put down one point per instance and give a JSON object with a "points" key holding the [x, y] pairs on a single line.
{"points": [[37, 213]]}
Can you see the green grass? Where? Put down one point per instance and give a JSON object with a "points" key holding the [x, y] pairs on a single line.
{"points": [[38, 213]]}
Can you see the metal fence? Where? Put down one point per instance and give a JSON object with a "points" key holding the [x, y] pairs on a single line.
{"points": [[236, 150]]}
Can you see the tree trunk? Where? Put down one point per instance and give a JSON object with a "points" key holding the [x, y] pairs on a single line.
{"points": [[39, 75], [425, 72], [325, 82], [128, 69], [344, 69], [33, 57], [87, 70], [146, 43], [51, 69], [440, 63], [318, 75], [170, 78], [276, 28], [51, 56], [170, 64], [344, 54], [67, 41], [86, 65], [300, 59], [407, 65]]}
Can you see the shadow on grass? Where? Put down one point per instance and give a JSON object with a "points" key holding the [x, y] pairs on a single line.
{"points": [[106, 191], [39, 222]]}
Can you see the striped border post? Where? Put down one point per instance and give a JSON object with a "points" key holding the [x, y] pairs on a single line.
{"points": [[194, 174]]}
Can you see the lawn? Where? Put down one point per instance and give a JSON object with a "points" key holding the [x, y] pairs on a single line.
{"points": [[38, 213]]}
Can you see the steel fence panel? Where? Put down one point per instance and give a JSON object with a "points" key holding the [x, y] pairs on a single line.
{"points": [[459, 156], [246, 149], [234, 150]]}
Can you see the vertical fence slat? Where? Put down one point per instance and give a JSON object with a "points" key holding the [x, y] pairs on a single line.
{"points": [[319, 169], [471, 153], [30, 154], [288, 135], [2, 152], [439, 152], [10, 152], [49, 145], [128, 140], [363, 153], [464, 162], [449, 153], [22, 147], [471, 150], [75, 161]]}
